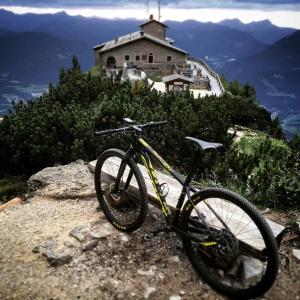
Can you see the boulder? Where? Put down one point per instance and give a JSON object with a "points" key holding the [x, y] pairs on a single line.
{"points": [[63, 182]]}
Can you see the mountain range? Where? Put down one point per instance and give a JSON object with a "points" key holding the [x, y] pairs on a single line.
{"points": [[275, 73], [263, 31], [33, 48]]}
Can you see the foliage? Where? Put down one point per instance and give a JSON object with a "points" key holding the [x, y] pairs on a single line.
{"points": [[155, 78], [266, 169], [59, 126], [11, 187]]}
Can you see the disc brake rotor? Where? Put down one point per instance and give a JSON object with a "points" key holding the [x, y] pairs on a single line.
{"points": [[225, 252]]}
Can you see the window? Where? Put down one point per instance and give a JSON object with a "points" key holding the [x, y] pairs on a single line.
{"points": [[138, 58], [150, 58], [144, 57], [127, 57], [169, 58]]}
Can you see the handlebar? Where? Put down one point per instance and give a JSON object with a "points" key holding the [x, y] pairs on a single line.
{"points": [[132, 128]]}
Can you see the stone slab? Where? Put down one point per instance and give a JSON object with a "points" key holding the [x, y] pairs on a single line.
{"points": [[235, 218]]}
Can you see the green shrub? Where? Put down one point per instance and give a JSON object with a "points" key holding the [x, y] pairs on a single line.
{"points": [[11, 187], [266, 169], [59, 126]]}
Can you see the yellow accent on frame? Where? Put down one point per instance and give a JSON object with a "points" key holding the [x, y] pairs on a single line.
{"points": [[165, 164], [207, 244], [154, 181]]}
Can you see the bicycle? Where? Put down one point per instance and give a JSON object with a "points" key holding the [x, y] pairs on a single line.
{"points": [[222, 233]]}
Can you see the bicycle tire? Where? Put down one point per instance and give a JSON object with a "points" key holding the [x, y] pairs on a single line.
{"points": [[207, 265], [116, 211]]}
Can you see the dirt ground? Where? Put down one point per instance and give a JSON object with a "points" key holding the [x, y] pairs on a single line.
{"points": [[119, 266]]}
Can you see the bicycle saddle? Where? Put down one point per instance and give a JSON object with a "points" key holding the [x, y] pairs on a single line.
{"points": [[205, 145]]}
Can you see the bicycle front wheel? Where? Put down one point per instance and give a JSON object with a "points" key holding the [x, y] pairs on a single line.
{"points": [[234, 250], [125, 206]]}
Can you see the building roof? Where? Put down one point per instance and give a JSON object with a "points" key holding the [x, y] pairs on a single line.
{"points": [[177, 77], [153, 20], [169, 40], [135, 36]]}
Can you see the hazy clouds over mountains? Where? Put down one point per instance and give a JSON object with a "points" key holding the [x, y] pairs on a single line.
{"points": [[273, 4]]}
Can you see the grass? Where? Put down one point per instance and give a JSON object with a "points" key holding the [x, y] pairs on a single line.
{"points": [[11, 187], [156, 78]]}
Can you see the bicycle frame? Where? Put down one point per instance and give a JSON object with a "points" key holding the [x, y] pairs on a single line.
{"points": [[141, 147]]}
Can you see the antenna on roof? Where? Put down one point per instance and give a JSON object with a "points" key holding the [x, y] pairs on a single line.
{"points": [[147, 8], [159, 15]]}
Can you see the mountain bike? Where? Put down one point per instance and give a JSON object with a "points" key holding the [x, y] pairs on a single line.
{"points": [[224, 236]]}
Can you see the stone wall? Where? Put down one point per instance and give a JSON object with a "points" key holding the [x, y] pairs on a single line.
{"points": [[142, 48], [155, 29]]}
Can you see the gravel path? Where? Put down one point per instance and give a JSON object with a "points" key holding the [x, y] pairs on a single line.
{"points": [[116, 266]]}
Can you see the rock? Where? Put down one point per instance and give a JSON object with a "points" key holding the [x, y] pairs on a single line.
{"points": [[78, 233], [174, 258], [59, 259], [100, 233], [149, 273], [11, 203], [251, 269], [124, 237], [296, 253], [175, 297], [90, 245], [150, 291], [63, 182], [266, 211], [235, 268], [36, 249], [49, 244], [55, 259]]}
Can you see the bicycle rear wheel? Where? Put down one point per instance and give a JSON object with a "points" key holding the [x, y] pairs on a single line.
{"points": [[236, 252], [125, 207]]}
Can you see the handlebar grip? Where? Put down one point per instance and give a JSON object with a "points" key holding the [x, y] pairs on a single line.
{"points": [[105, 132], [110, 131], [129, 128], [154, 124]]}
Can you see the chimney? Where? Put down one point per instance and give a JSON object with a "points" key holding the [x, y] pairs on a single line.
{"points": [[151, 17], [142, 33]]}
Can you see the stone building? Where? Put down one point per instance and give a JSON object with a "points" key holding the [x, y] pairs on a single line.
{"points": [[148, 49], [149, 52]]}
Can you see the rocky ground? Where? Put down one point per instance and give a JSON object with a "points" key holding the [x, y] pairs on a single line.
{"points": [[58, 245]]}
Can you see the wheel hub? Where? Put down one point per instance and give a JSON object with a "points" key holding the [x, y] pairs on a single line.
{"points": [[114, 199]]}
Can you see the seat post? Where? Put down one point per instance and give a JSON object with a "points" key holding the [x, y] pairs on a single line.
{"points": [[196, 163]]}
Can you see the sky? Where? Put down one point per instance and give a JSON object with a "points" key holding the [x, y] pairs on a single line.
{"points": [[284, 13]]}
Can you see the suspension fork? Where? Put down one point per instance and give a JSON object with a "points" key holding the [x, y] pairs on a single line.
{"points": [[135, 159], [128, 155]]}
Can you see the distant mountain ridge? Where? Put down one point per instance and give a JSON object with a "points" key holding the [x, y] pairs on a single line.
{"points": [[210, 39], [199, 39], [37, 57], [263, 31], [34, 47], [275, 73]]}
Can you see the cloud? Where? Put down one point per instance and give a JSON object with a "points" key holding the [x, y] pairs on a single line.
{"points": [[169, 3]]}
